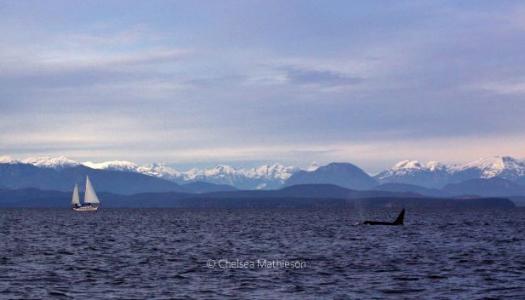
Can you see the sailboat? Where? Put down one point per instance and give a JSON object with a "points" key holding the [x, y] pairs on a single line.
{"points": [[91, 201]]}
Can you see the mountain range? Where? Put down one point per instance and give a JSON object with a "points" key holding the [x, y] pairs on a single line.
{"points": [[494, 176], [436, 175], [262, 177]]}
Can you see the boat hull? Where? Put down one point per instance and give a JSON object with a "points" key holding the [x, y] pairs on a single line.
{"points": [[85, 208]]}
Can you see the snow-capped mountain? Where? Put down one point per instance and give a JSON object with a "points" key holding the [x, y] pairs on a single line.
{"points": [[155, 169], [162, 171], [7, 160], [405, 167], [115, 165], [275, 171], [61, 174], [312, 167], [432, 174], [50, 162], [436, 175], [497, 166], [265, 176]]}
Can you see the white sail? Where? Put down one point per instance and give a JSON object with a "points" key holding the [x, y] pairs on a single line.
{"points": [[91, 196], [75, 199]]}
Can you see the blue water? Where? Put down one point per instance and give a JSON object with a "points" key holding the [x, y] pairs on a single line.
{"points": [[174, 253]]}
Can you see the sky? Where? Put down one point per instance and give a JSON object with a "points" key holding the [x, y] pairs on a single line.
{"points": [[246, 82]]}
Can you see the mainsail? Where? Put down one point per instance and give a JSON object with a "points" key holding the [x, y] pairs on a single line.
{"points": [[76, 199], [91, 196]]}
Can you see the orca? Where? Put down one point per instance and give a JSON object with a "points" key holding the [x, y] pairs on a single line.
{"points": [[399, 221]]}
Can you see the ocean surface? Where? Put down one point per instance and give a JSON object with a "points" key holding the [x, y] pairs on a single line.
{"points": [[260, 254]]}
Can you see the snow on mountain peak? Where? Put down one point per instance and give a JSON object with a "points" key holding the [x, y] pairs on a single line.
{"points": [[496, 165], [50, 162], [434, 174], [313, 166], [220, 170], [407, 164], [275, 171], [159, 170], [5, 159], [435, 165], [192, 173], [119, 165], [416, 165], [412, 168]]}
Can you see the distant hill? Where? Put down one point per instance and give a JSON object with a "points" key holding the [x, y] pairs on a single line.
{"points": [[319, 191], [32, 197], [294, 197], [341, 174], [492, 187], [519, 201], [206, 187], [410, 188]]}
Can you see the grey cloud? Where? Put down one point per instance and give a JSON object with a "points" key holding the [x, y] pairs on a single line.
{"points": [[301, 75]]}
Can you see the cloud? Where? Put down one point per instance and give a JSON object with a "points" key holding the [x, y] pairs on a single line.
{"points": [[132, 74], [346, 81], [306, 76], [65, 62], [511, 87]]}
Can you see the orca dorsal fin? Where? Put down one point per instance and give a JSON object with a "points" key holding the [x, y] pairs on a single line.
{"points": [[401, 218]]}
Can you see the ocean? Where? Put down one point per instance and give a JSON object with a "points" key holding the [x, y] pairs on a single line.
{"points": [[261, 254]]}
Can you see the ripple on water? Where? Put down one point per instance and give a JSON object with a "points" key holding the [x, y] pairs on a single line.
{"points": [[156, 253]]}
